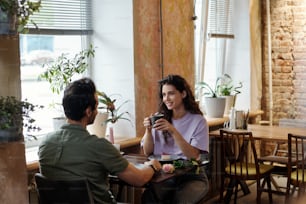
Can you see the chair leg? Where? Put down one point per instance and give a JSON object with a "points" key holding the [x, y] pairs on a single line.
{"points": [[236, 192], [287, 194], [221, 189], [229, 191], [258, 193], [119, 196], [269, 189], [244, 187]]}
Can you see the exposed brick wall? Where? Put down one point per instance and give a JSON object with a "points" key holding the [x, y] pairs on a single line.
{"points": [[288, 21]]}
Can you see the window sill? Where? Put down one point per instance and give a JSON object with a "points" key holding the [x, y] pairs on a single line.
{"points": [[32, 152]]}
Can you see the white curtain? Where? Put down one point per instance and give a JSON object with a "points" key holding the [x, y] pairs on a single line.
{"points": [[256, 50], [212, 32]]}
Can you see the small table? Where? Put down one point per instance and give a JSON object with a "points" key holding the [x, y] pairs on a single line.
{"points": [[140, 159], [137, 159]]}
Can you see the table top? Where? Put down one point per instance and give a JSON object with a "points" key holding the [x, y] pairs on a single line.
{"points": [[137, 159], [266, 132]]}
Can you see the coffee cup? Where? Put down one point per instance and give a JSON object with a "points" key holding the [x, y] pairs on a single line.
{"points": [[154, 118]]}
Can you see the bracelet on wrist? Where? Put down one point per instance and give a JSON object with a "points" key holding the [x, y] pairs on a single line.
{"points": [[153, 167]]}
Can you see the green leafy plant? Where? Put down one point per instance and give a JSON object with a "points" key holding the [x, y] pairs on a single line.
{"points": [[209, 90], [15, 114], [223, 87], [178, 164], [110, 106], [227, 88], [63, 69], [20, 10]]}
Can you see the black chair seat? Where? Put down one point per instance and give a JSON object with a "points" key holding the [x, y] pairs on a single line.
{"points": [[62, 191]]}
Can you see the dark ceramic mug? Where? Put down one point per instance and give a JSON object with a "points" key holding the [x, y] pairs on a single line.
{"points": [[154, 118]]}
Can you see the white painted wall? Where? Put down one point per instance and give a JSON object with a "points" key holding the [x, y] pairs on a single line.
{"points": [[113, 66]]}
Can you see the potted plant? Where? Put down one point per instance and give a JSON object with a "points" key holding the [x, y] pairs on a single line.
{"points": [[14, 116], [109, 105], [229, 91], [62, 71], [15, 14], [213, 104], [112, 115]]}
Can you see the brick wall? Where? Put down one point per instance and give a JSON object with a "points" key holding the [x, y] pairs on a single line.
{"points": [[288, 20]]}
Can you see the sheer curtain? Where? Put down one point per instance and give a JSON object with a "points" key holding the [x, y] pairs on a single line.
{"points": [[202, 11], [212, 33], [256, 50]]}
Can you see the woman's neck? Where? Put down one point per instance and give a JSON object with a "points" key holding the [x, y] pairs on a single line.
{"points": [[177, 114]]}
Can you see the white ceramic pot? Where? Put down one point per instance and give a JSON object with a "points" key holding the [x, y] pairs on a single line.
{"points": [[58, 122], [98, 127], [214, 107]]}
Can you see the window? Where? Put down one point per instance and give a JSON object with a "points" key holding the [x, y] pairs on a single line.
{"points": [[219, 53], [64, 27]]}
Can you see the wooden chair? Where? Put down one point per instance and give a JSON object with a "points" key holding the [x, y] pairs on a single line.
{"points": [[279, 156], [62, 191], [279, 159], [239, 163], [296, 166]]}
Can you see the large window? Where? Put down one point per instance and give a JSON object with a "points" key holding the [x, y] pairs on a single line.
{"points": [[64, 28], [35, 51], [219, 53]]}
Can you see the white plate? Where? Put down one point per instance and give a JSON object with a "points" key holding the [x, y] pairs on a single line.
{"points": [[158, 157]]}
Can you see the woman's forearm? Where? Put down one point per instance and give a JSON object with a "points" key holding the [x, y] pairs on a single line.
{"points": [[188, 150]]}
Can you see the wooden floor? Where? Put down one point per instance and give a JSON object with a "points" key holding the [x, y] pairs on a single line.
{"points": [[251, 198], [247, 199]]}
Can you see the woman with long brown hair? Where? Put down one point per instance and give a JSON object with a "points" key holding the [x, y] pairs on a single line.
{"points": [[183, 131]]}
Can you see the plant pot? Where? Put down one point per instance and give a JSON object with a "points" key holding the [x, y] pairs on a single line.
{"points": [[98, 127], [10, 135], [214, 106], [58, 122], [229, 103]]}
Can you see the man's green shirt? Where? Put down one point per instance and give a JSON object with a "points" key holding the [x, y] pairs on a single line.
{"points": [[72, 153]]}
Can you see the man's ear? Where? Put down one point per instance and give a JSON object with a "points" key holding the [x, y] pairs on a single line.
{"points": [[88, 111]]}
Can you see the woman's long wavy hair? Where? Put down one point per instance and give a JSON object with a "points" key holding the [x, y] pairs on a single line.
{"points": [[181, 85]]}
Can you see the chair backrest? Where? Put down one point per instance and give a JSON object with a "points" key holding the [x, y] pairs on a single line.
{"points": [[238, 153], [62, 191], [297, 158]]}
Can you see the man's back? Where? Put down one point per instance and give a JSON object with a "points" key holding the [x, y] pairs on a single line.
{"points": [[72, 153]]}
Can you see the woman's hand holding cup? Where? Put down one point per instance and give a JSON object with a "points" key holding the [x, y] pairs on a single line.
{"points": [[155, 117]]}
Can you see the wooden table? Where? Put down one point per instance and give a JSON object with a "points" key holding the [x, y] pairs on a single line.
{"points": [[261, 134], [161, 176], [138, 160], [266, 133], [269, 133]]}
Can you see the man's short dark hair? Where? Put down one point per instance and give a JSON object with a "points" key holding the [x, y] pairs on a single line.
{"points": [[78, 95]]}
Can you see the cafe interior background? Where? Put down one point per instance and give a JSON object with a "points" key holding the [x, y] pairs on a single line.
{"points": [[138, 42]]}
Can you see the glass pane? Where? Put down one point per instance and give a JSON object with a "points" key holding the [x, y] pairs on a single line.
{"points": [[35, 51]]}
